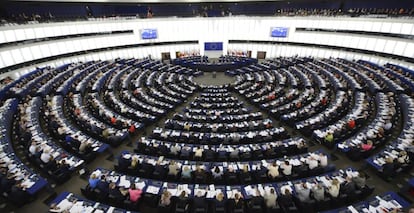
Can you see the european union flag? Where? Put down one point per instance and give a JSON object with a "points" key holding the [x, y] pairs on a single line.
{"points": [[213, 46], [280, 32], [149, 33]]}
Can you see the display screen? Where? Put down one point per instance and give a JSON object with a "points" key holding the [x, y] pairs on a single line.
{"points": [[213, 46], [279, 32], [149, 33]]}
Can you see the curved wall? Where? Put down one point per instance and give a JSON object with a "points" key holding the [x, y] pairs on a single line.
{"points": [[206, 29]]}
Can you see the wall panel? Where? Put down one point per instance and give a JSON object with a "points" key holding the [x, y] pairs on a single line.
{"points": [[209, 29]]}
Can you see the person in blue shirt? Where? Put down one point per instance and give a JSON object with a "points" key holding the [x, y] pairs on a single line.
{"points": [[186, 173], [93, 181]]}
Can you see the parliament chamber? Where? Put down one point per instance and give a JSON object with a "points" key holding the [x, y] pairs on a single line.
{"points": [[207, 107]]}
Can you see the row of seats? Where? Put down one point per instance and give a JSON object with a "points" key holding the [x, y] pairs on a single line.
{"points": [[52, 120], [239, 172], [338, 188]]}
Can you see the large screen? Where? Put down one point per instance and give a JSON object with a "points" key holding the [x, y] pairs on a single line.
{"points": [[279, 32], [213, 46], [149, 33]]}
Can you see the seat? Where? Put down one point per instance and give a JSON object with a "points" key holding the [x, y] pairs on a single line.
{"points": [[256, 208], [309, 206], [220, 209], [200, 210], [164, 209], [277, 209], [367, 190], [181, 207], [324, 205], [130, 205], [292, 209]]}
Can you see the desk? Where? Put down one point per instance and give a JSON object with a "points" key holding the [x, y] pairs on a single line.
{"points": [[388, 199], [6, 149], [88, 204], [39, 184]]}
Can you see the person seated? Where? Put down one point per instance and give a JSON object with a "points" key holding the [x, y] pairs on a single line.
{"points": [[18, 194], [52, 165], [312, 163], [360, 180], [105, 133], [367, 146], [403, 158], [234, 154], [131, 129], [165, 199], [187, 126], [199, 201], [285, 199], [115, 193], [85, 147], [209, 154], [63, 167], [348, 187], [45, 156], [219, 202], [200, 174], [134, 193], [198, 154], [124, 192], [159, 170], [381, 133], [270, 199], [103, 185], [185, 152], [273, 170], [222, 154], [303, 192], [162, 149], [286, 168], [351, 124], [329, 138], [186, 173], [33, 148], [323, 160], [175, 150], [333, 190], [173, 169], [113, 139], [257, 199], [93, 181], [318, 192], [7, 182], [236, 204], [183, 201], [244, 174], [217, 173], [389, 168], [134, 163], [230, 175]]}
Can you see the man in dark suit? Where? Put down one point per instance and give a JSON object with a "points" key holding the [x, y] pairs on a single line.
{"points": [[285, 199], [7, 182], [348, 187], [209, 154], [115, 193], [199, 201], [18, 194], [160, 171], [146, 169], [63, 168], [185, 152], [103, 185]]}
